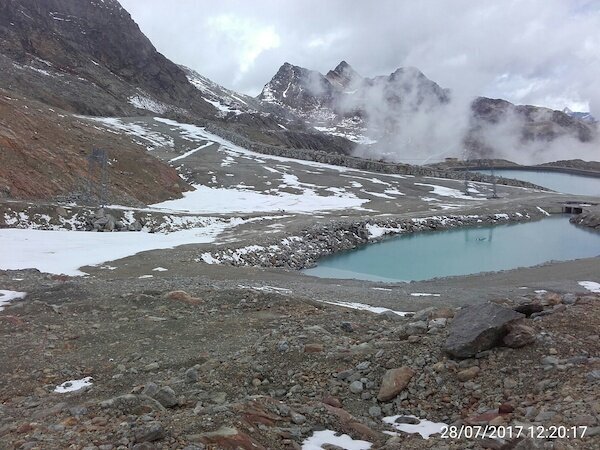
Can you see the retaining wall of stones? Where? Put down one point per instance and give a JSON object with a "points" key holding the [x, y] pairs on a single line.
{"points": [[303, 250]]}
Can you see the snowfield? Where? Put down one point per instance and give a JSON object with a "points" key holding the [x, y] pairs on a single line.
{"points": [[64, 252], [210, 200], [443, 191]]}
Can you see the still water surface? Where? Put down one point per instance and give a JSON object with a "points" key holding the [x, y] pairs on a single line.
{"points": [[560, 182], [426, 255]]}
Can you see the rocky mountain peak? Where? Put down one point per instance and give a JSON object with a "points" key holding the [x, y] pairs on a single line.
{"points": [[343, 76], [410, 81], [297, 87]]}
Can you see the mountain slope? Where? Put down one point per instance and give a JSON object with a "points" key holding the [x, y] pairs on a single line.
{"points": [[583, 116], [89, 57], [43, 155]]}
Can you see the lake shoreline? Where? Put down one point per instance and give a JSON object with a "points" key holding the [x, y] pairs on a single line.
{"points": [[302, 251]]}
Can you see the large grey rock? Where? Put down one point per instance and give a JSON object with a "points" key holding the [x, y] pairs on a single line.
{"points": [[477, 328], [152, 431], [166, 397]]}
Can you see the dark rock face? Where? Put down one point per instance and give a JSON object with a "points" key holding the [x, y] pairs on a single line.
{"points": [[583, 116], [299, 88], [347, 93], [344, 75], [93, 55], [528, 123], [477, 328]]}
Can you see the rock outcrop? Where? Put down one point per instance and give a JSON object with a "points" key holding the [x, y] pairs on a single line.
{"points": [[89, 57], [590, 217], [477, 328]]}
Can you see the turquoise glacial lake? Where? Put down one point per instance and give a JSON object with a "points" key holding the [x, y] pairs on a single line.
{"points": [[464, 251], [560, 182]]}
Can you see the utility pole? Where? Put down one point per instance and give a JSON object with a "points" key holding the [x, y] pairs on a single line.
{"points": [[494, 183], [466, 171], [98, 176]]}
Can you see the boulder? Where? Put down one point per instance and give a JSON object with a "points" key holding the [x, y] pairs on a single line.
{"points": [[149, 432], [468, 374], [477, 328], [182, 296], [519, 335], [166, 396], [394, 381], [529, 308]]}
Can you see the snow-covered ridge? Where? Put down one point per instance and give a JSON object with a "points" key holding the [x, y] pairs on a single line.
{"points": [[224, 100]]}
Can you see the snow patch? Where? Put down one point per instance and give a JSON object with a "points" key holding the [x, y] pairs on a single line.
{"points": [[191, 152], [425, 427], [147, 103], [223, 109], [321, 438], [154, 138], [376, 231], [8, 296], [205, 199], [444, 191], [73, 385], [543, 211], [272, 289], [590, 286], [363, 307]]}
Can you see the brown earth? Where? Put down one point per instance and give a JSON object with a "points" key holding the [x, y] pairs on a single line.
{"points": [[43, 154]]}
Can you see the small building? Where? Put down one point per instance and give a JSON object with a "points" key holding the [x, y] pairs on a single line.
{"points": [[574, 207]]}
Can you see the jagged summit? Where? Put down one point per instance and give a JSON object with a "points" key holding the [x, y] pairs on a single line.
{"points": [[344, 89], [344, 76], [298, 88]]}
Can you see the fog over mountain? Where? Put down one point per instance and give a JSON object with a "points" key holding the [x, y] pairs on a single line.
{"points": [[406, 117], [539, 52]]}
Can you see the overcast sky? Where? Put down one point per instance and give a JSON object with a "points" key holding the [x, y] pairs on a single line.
{"points": [[541, 52]]}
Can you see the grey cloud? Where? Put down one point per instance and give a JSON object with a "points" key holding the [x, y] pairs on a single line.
{"points": [[543, 52]]}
